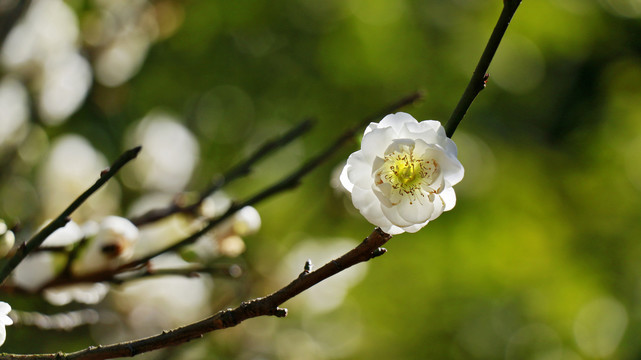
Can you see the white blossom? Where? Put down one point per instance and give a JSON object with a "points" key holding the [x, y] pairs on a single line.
{"points": [[402, 176], [112, 246], [5, 320], [7, 239]]}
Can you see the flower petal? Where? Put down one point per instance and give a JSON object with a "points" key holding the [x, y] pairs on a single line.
{"points": [[394, 217], [3, 334], [392, 229], [416, 212], [358, 170], [347, 184], [414, 228], [5, 320], [448, 196], [375, 142], [367, 204], [4, 307], [396, 121]]}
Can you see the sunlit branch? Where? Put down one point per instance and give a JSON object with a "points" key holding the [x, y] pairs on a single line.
{"points": [[63, 218], [236, 172], [480, 76], [265, 306]]}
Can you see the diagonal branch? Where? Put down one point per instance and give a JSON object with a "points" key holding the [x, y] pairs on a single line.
{"points": [[236, 172], [480, 76], [289, 182], [63, 218], [268, 305]]}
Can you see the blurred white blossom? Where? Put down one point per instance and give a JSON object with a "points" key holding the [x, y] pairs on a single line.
{"points": [[227, 238], [49, 27], [5, 320], [170, 155], [39, 268], [66, 235], [35, 270], [7, 239], [86, 293], [112, 246], [43, 47], [15, 110], [66, 79], [72, 166], [403, 175], [154, 304]]}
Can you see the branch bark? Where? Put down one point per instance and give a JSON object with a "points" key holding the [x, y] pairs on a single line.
{"points": [[480, 76], [265, 306]]}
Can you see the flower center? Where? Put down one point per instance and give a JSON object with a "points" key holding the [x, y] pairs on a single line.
{"points": [[403, 173]]}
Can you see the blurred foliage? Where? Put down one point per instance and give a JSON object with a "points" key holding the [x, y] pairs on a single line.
{"points": [[539, 259]]}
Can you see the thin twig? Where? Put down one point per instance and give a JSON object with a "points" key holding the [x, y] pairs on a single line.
{"points": [[62, 321], [63, 218], [236, 172], [223, 270], [480, 76], [265, 306]]}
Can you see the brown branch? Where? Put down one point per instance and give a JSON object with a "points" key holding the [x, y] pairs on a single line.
{"points": [[480, 76], [236, 172], [268, 305], [63, 218], [223, 270]]}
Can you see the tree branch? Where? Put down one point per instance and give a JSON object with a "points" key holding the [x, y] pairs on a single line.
{"points": [[236, 172], [63, 218], [480, 76], [268, 305]]}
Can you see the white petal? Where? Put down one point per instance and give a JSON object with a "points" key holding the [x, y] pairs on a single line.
{"points": [[375, 142], [394, 217], [347, 184], [396, 121], [428, 131], [366, 203], [392, 229], [453, 170], [414, 228], [439, 206], [448, 196], [416, 212], [449, 146], [3, 334], [4, 307], [5, 320], [359, 172]]}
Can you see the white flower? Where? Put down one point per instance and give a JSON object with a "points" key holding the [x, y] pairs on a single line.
{"points": [[403, 175], [88, 293], [7, 239], [5, 320], [112, 246]]}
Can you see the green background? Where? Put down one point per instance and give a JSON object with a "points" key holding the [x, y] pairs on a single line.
{"points": [[545, 236]]}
